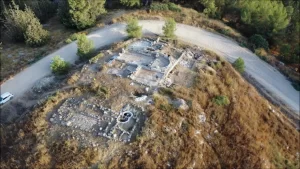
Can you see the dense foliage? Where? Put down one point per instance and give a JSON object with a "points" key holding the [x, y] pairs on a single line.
{"points": [[85, 46], [59, 66], [259, 42], [22, 25], [80, 14], [165, 6], [278, 21], [130, 3], [133, 29], [169, 28], [239, 65]]}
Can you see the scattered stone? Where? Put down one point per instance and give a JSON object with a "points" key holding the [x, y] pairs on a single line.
{"points": [[68, 123], [140, 99], [202, 117], [180, 104], [52, 120]]}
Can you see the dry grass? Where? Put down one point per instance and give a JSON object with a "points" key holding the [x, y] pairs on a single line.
{"points": [[244, 134]]}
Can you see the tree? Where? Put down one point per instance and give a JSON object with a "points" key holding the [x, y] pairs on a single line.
{"points": [[239, 65], [169, 28], [59, 66], [130, 3], [259, 42], [43, 9], [133, 29], [24, 26], [80, 14], [85, 46], [266, 17]]}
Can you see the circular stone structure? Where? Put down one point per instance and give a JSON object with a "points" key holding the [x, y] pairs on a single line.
{"points": [[125, 117]]}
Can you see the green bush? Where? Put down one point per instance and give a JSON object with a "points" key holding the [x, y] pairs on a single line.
{"points": [[173, 7], [133, 29], [80, 14], [165, 7], [59, 66], [96, 58], [85, 46], [68, 41], [259, 42], [73, 37], [159, 7], [169, 28], [24, 26], [35, 35], [239, 65], [221, 100], [130, 3]]}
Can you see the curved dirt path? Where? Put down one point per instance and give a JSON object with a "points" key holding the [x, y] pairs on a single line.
{"points": [[265, 74]]}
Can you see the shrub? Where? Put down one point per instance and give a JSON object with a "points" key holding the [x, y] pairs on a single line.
{"points": [[80, 14], [73, 37], [259, 42], [173, 7], [68, 40], [239, 65], [133, 29], [130, 3], [221, 100], [159, 7], [24, 26], [59, 66], [169, 28], [35, 35], [96, 58], [165, 7], [85, 46]]}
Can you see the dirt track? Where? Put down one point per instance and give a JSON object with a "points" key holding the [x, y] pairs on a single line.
{"points": [[266, 75]]}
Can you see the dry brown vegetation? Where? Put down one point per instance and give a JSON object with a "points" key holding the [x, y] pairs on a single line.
{"points": [[244, 134]]}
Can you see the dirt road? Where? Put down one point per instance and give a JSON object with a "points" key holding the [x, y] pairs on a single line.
{"points": [[265, 74]]}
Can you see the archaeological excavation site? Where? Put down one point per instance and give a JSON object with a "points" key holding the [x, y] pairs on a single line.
{"points": [[147, 103]]}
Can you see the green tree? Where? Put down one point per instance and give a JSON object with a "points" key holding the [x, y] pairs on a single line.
{"points": [[80, 14], [169, 28], [59, 66], [266, 17], [133, 29], [130, 3], [239, 65], [210, 7], [85, 46], [24, 26], [259, 42]]}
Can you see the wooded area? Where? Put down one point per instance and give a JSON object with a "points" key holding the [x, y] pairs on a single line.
{"points": [[275, 21]]}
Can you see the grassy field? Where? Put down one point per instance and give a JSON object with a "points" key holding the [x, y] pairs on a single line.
{"points": [[244, 132]]}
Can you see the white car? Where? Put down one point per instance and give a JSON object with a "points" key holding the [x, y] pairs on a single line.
{"points": [[5, 97]]}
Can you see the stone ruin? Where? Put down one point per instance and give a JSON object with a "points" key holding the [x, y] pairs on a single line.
{"points": [[80, 114], [143, 62]]}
